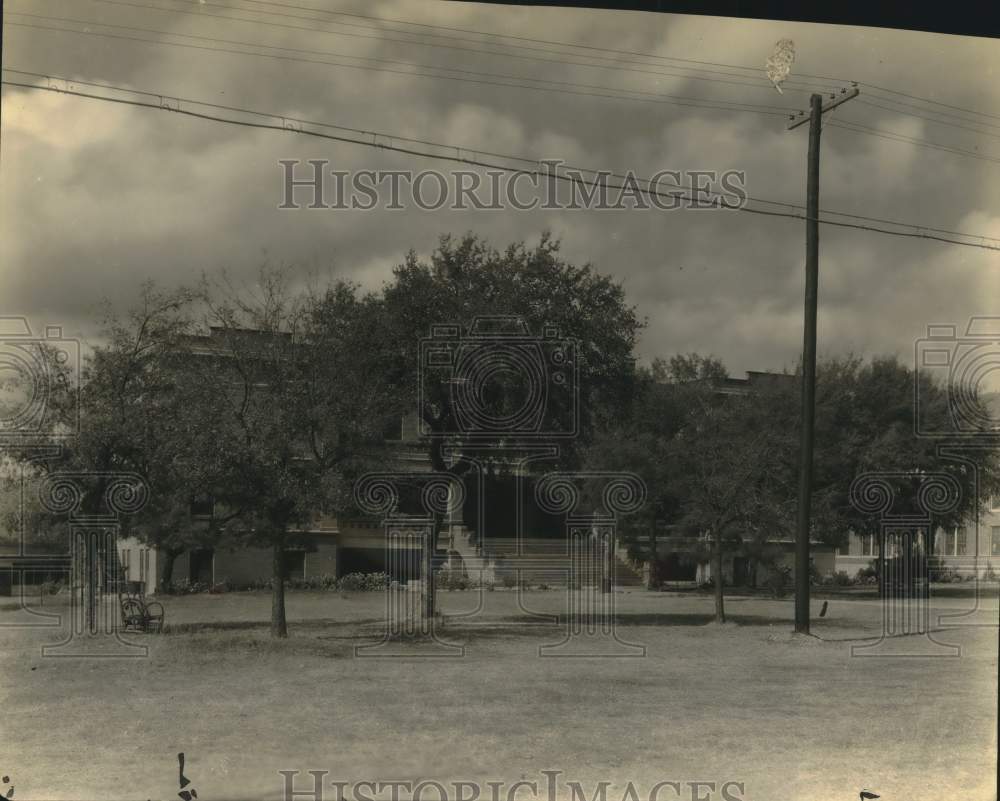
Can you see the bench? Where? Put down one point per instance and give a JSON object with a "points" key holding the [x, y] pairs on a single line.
{"points": [[140, 615]]}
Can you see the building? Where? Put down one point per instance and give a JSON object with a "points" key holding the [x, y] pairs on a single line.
{"points": [[969, 550]]}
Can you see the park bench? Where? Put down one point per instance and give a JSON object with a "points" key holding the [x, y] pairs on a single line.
{"points": [[140, 615]]}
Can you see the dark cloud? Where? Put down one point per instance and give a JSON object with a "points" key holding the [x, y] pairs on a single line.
{"points": [[97, 198]]}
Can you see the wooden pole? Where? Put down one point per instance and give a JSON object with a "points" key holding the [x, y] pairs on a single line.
{"points": [[808, 369]]}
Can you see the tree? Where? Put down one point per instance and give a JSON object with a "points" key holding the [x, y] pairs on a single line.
{"points": [[866, 423], [466, 279], [136, 412], [726, 465], [734, 474], [132, 419], [639, 439], [291, 408]]}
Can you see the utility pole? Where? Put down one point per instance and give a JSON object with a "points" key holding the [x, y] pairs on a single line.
{"points": [[815, 118]]}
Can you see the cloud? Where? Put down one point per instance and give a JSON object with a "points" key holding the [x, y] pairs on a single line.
{"points": [[96, 198]]}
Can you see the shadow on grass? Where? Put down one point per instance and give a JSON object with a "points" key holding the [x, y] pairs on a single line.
{"points": [[249, 625], [335, 638], [501, 624]]}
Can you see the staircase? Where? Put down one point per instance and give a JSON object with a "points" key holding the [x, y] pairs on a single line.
{"points": [[626, 575], [546, 561]]}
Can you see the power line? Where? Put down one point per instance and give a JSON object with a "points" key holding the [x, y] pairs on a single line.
{"points": [[164, 102], [648, 97], [612, 51], [693, 102], [893, 136], [925, 110], [760, 84], [931, 119], [591, 48], [763, 84], [920, 232], [928, 100]]}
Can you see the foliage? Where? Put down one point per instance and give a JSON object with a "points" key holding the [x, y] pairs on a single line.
{"points": [[363, 582], [869, 571], [352, 582], [467, 278], [188, 587], [778, 580], [290, 407], [842, 579], [726, 463]]}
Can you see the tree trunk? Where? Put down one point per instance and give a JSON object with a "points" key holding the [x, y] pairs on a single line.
{"points": [[720, 611], [279, 626], [880, 564], [429, 601], [167, 571], [652, 582], [608, 547]]}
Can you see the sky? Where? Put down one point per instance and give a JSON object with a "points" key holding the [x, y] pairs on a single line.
{"points": [[96, 198]]}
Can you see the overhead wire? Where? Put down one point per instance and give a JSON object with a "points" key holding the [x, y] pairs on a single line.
{"points": [[371, 140]]}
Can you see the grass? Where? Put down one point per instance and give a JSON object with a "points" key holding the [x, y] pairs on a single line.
{"points": [[790, 716]]}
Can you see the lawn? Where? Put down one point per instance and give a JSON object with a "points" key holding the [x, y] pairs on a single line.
{"points": [[788, 716]]}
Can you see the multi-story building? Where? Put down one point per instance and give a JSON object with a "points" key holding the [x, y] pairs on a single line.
{"points": [[971, 549]]}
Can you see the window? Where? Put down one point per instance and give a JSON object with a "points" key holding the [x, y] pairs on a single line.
{"points": [[949, 543], [869, 545], [995, 503], [962, 539], [995, 541], [202, 506], [294, 564], [126, 559], [201, 562], [393, 431]]}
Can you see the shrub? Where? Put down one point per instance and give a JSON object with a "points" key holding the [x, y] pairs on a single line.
{"points": [[452, 580], [324, 581], [363, 582], [352, 582], [869, 572], [842, 579], [187, 587], [778, 579], [509, 581], [948, 576]]}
